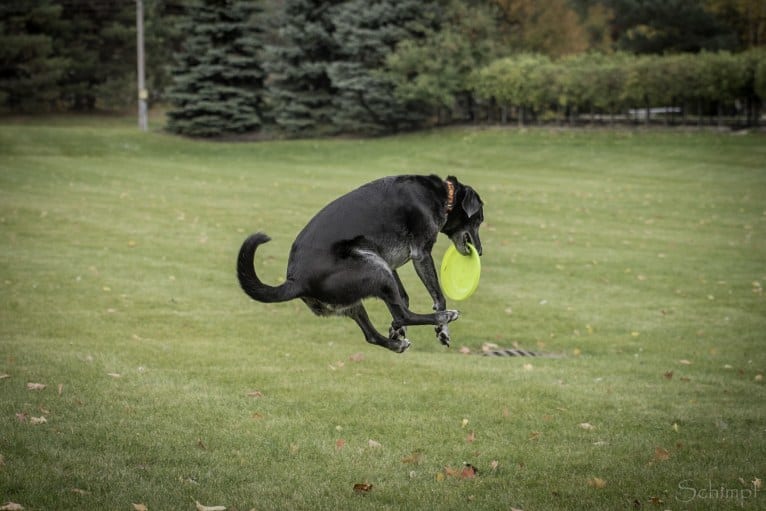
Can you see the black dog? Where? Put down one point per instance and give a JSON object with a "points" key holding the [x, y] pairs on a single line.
{"points": [[351, 249]]}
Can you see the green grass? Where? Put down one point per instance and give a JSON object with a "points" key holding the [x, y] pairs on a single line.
{"points": [[634, 253]]}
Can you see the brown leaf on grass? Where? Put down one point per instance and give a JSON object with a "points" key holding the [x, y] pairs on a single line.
{"points": [[35, 421], [114, 375], [140, 507], [36, 386], [255, 393], [494, 465], [201, 507], [467, 471], [340, 444], [471, 437], [78, 491], [362, 487], [413, 459], [597, 483], [61, 389], [668, 375], [11, 506], [535, 436], [4, 376], [374, 444], [201, 444], [464, 350], [356, 357], [660, 454], [22, 416], [587, 426]]}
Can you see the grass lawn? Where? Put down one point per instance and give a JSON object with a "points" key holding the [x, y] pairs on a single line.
{"points": [[640, 256]]}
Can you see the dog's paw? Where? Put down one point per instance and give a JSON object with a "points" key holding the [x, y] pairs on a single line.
{"points": [[397, 333], [400, 345], [442, 334], [447, 316]]}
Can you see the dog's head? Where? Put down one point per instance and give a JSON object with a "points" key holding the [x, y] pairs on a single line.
{"points": [[464, 219]]}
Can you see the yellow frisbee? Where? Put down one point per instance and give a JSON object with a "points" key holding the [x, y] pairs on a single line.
{"points": [[460, 274]]}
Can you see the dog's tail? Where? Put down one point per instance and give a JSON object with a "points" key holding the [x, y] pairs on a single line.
{"points": [[250, 282]]}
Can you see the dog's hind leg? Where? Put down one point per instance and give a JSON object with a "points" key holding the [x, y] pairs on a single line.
{"points": [[359, 314], [401, 332]]}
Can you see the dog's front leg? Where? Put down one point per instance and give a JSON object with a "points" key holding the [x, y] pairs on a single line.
{"points": [[424, 267]]}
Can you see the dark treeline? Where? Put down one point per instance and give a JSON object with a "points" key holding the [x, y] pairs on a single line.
{"points": [[313, 67]]}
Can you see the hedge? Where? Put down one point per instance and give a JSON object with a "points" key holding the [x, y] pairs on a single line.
{"points": [[704, 87]]}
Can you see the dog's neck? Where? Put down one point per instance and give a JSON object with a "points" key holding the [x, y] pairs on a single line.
{"points": [[450, 195]]}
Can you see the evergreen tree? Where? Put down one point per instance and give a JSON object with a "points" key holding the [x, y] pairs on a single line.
{"points": [[218, 83], [366, 32], [29, 68], [300, 90]]}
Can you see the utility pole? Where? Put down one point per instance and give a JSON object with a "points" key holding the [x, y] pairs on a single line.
{"points": [[143, 94]]}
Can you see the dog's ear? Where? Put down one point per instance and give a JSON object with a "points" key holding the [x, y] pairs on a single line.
{"points": [[471, 202]]}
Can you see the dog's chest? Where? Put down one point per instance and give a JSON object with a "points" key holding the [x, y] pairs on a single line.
{"points": [[397, 254]]}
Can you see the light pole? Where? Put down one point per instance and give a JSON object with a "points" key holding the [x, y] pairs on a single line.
{"points": [[143, 94]]}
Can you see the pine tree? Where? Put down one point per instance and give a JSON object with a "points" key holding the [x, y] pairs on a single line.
{"points": [[367, 31], [300, 90], [218, 83], [29, 68]]}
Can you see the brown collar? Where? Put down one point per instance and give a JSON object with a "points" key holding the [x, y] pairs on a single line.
{"points": [[450, 195]]}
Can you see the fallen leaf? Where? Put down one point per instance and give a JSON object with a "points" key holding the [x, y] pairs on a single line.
{"points": [[669, 375], [464, 423], [759, 377], [374, 444], [757, 483], [440, 476], [489, 346], [340, 444], [675, 427], [464, 350], [61, 389], [413, 459], [4, 376], [362, 487], [37, 420], [493, 465], [685, 362], [255, 393], [356, 357], [597, 482], [528, 367], [535, 436], [140, 507], [22, 416], [656, 501], [469, 471], [660, 454], [36, 386], [114, 375], [201, 444], [471, 437], [587, 426], [78, 491], [11, 506], [200, 507]]}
